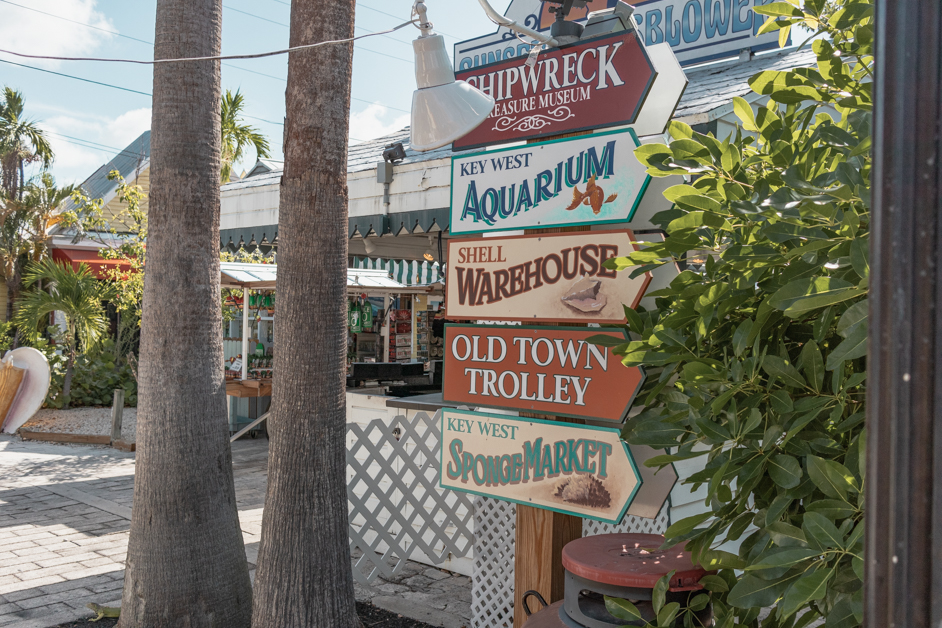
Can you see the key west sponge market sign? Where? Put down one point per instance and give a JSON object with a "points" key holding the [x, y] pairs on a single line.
{"points": [[574, 469]]}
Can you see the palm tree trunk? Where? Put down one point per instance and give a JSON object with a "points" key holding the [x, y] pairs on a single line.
{"points": [[186, 562], [304, 576], [67, 382]]}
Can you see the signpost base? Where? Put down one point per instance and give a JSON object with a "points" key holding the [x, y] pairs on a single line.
{"points": [[538, 564]]}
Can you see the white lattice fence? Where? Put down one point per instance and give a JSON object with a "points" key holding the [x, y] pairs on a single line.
{"points": [[492, 592], [397, 511]]}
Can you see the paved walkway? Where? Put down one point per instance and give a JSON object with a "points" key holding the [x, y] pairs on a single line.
{"points": [[65, 512]]}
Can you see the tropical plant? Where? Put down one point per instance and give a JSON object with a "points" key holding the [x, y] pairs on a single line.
{"points": [[21, 142], [43, 198], [89, 220], [75, 293], [236, 135], [757, 359]]}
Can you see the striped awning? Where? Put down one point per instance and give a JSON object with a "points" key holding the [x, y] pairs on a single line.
{"points": [[408, 272]]}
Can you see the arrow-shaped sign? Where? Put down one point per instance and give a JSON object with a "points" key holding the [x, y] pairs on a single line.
{"points": [[578, 470]]}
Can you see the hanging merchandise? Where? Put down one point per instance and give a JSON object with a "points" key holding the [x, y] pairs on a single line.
{"points": [[367, 315], [354, 317]]}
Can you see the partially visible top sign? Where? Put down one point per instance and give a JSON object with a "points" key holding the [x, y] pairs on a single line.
{"points": [[704, 30], [698, 30], [504, 44], [593, 84]]}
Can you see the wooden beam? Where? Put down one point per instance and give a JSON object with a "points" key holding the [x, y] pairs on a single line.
{"points": [[75, 439], [538, 561]]}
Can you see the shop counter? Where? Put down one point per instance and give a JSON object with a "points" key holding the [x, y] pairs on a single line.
{"points": [[248, 400]]}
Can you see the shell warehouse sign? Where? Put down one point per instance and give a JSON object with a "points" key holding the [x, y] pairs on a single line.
{"points": [[540, 278], [595, 84], [548, 370]]}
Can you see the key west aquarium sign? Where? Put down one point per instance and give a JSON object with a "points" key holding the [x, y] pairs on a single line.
{"points": [[573, 469], [588, 180], [596, 84], [549, 370]]}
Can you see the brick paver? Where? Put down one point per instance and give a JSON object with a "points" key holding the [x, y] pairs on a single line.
{"points": [[64, 517]]}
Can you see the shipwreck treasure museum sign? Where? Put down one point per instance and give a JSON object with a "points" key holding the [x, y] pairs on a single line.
{"points": [[588, 180], [573, 469], [542, 278], [547, 370], [593, 84]]}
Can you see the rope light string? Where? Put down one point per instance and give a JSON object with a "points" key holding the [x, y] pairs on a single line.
{"points": [[259, 55]]}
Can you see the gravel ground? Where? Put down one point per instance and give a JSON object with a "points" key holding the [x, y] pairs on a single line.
{"points": [[94, 421], [371, 617]]}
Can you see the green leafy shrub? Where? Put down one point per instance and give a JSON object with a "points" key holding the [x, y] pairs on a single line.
{"points": [[757, 359], [97, 375]]}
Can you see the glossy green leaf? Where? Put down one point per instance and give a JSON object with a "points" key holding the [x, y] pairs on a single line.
{"points": [[833, 509], [659, 593], [783, 558], [819, 529], [812, 364], [860, 257], [714, 583], [754, 592], [622, 609], [825, 291], [784, 370], [668, 614], [785, 470], [741, 337], [842, 616], [686, 525], [831, 477], [853, 347], [808, 588]]}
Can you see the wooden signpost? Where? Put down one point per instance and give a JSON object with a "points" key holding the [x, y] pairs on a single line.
{"points": [[572, 469], [542, 278], [556, 191], [547, 370]]}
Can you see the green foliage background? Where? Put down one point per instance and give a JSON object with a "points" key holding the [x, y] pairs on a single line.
{"points": [[757, 361]]}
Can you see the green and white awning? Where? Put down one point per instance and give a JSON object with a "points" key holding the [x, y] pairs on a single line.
{"points": [[410, 273]]}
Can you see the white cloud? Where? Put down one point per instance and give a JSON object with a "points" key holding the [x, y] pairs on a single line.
{"points": [[74, 162], [30, 32], [375, 121]]}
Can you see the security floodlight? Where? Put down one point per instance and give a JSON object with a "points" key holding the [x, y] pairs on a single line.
{"points": [[394, 153], [443, 109]]}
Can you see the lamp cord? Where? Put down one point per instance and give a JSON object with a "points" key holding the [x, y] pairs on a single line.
{"points": [[217, 58]]}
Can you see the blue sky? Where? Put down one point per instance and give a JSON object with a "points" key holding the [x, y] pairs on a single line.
{"points": [[86, 121]]}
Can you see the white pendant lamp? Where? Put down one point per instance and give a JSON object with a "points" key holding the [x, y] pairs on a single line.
{"points": [[443, 109]]}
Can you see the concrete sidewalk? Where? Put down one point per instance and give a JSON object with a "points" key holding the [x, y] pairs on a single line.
{"points": [[65, 512]]}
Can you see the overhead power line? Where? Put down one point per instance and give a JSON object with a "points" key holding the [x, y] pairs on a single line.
{"points": [[77, 78], [259, 55]]}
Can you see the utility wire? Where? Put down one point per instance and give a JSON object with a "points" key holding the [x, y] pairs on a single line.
{"points": [[265, 19], [149, 43], [218, 57], [77, 78]]}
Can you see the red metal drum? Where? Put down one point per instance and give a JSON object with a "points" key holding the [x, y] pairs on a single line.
{"points": [[547, 618], [625, 566]]}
